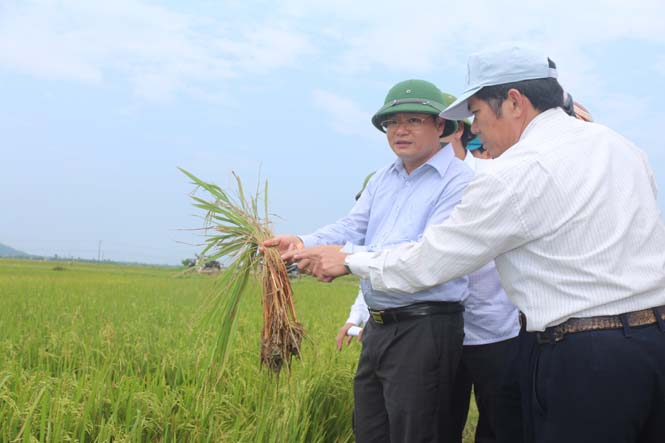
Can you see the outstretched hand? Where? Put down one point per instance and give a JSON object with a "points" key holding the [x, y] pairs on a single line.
{"points": [[284, 244], [323, 262]]}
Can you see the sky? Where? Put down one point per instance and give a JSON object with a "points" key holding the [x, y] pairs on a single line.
{"points": [[101, 102]]}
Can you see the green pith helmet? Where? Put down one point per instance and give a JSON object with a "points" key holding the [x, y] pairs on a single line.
{"points": [[417, 96]]}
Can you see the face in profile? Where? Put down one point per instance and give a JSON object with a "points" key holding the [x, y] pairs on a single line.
{"points": [[498, 133]]}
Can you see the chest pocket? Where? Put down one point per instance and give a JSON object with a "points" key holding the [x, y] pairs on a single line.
{"points": [[411, 216], [400, 216], [416, 217]]}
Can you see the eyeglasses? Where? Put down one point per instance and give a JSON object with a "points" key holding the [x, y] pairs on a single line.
{"points": [[409, 123]]}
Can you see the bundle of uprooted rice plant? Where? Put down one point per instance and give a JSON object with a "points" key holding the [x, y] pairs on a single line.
{"points": [[235, 230]]}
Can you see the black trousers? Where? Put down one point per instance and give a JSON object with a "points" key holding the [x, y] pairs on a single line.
{"points": [[405, 377], [514, 421], [601, 386], [483, 367]]}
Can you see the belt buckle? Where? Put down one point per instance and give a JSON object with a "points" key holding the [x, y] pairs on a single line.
{"points": [[550, 336], [377, 316]]}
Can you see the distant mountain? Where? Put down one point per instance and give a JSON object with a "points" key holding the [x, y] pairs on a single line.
{"points": [[6, 251]]}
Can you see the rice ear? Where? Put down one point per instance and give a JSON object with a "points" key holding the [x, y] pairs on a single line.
{"points": [[242, 232]]}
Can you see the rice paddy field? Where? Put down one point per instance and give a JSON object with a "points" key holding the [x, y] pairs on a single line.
{"points": [[109, 353]]}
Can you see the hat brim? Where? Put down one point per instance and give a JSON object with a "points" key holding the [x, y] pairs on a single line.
{"points": [[412, 108], [459, 109]]}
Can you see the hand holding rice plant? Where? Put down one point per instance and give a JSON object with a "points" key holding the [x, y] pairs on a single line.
{"points": [[235, 230]]}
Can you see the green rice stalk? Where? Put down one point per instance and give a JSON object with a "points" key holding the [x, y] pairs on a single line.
{"points": [[234, 230]]}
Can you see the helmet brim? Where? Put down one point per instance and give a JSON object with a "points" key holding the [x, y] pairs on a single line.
{"points": [[427, 107]]}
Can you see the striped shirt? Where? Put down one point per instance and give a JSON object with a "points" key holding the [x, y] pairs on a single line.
{"points": [[569, 213]]}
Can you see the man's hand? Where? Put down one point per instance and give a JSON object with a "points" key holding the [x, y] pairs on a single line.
{"points": [[323, 262], [284, 244], [342, 337]]}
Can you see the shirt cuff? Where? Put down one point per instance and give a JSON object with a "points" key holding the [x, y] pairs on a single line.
{"points": [[359, 263], [308, 240], [358, 318], [350, 248]]}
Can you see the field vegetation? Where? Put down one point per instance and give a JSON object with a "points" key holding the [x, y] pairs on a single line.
{"points": [[106, 353]]}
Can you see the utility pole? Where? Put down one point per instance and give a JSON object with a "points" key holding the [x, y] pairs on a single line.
{"points": [[99, 251]]}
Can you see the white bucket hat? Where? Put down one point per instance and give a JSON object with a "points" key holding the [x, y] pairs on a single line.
{"points": [[498, 65]]}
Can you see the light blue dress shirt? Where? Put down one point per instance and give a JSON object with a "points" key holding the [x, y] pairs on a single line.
{"points": [[395, 208]]}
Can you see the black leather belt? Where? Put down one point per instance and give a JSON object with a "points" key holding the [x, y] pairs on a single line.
{"points": [[393, 315], [644, 317]]}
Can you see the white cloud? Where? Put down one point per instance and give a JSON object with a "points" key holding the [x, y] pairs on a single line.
{"points": [[158, 51], [660, 64], [162, 52], [265, 48], [345, 116], [430, 35]]}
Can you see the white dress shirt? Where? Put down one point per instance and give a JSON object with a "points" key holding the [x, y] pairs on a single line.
{"points": [[358, 314], [570, 214], [489, 316]]}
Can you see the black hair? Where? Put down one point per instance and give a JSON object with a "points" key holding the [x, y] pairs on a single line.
{"points": [[467, 135], [543, 93]]}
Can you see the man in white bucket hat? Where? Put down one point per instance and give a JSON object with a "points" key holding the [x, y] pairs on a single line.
{"points": [[568, 211]]}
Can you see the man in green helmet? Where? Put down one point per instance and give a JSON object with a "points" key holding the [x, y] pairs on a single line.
{"points": [[411, 345]]}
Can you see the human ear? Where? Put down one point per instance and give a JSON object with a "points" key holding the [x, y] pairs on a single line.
{"points": [[515, 101]]}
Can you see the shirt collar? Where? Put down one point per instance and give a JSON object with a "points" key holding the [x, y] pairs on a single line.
{"points": [[439, 162], [542, 118]]}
